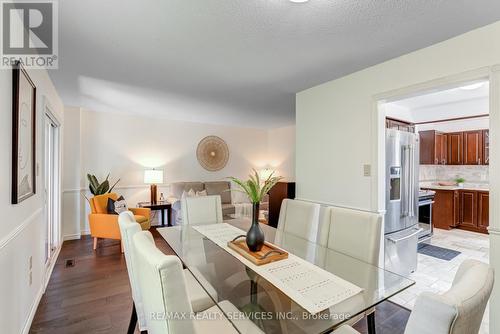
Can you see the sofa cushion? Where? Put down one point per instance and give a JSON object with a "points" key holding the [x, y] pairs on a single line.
{"points": [[178, 188], [228, 209], [221, 188]]}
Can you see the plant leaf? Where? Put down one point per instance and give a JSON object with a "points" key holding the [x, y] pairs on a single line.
{"points": [[103, 188]]}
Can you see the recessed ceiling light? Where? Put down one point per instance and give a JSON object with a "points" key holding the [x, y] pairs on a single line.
{"points": [[473, 86], [298, 1]]}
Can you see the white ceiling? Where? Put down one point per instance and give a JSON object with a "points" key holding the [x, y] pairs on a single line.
{"points": [[237, 62], [444, 104]]}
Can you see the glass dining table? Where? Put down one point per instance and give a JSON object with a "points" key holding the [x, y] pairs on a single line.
{"points": [[265, 305]]}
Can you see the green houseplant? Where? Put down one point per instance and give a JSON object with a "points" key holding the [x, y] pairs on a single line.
{"points": [[460, 181], [100, 188], [256, 188]]}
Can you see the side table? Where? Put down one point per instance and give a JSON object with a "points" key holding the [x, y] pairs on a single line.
{"points": [[160, 206]]}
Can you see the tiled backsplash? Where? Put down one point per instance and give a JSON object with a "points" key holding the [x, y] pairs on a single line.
{"points": [[471, 174]]}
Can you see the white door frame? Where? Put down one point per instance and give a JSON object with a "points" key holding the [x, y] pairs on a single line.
{"points": [[56, 186], [490, 73]]}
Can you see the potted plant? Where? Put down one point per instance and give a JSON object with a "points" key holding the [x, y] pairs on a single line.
{"points": [[99, 188], [460, 181], [256, 189]]}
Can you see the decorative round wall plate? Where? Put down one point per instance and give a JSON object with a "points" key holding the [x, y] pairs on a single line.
{"points": [[212, 153]]}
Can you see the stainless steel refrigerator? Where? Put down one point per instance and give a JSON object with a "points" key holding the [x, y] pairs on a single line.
{"points": [[402, 187]]}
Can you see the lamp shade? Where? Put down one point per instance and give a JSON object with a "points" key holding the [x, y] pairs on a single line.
{"points": [[265, 173], [153, 176]]}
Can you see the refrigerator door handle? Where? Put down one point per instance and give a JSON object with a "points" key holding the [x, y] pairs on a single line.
{"points": [[407, 180], [411, 189], [416, 231]]}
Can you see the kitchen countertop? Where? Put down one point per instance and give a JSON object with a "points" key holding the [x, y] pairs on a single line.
{"points": [[467, 186]]}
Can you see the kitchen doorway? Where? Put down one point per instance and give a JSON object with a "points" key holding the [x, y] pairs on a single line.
{"points": [[451, 120]]}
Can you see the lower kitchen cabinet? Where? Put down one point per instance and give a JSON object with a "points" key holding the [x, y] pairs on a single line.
{"points": [[465, 209], [483, 211], [468, 209], [444, 213]]}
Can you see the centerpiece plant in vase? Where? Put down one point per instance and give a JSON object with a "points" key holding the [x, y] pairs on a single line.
{"points": [[256, 189]]}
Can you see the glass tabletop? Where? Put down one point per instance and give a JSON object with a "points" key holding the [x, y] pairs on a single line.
{"points": [[265, 305]]}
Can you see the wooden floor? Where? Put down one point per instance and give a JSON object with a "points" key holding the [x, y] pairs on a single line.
{"points": [[93, 295]]}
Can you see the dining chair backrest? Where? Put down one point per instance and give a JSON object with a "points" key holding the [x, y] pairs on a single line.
{"points": [[163, 288], [460, 310], [299, 218], [128, 228], [352, 232], [201, 210]]}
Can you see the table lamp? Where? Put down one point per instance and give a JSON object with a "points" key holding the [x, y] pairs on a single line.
{"points": [[153, 177]]}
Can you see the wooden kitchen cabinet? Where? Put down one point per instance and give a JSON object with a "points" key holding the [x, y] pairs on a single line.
{"points": [[444, 213], [483, 210], [486, 147], [433, 148], [468, 208], [464, 209], [473, 147], [455, 148]]}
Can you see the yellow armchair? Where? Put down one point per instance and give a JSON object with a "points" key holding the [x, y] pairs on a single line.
{"points": [[104, 225]]}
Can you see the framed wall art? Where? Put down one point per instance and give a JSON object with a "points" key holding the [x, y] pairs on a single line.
{"points": [[23, 135]]}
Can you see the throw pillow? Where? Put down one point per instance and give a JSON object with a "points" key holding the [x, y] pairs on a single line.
{"points": [[117, 207], [201, 193]]}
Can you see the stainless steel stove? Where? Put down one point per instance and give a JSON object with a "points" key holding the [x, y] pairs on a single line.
{"points": [[425, 202]]}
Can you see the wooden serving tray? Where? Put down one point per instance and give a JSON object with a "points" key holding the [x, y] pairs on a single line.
{"points": [[269, 253]]}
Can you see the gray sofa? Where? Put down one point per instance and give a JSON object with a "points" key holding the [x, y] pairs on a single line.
{"points": [[221, 188]]}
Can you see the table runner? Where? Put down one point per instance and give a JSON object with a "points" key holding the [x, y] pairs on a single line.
{"points": [[310, 286]]}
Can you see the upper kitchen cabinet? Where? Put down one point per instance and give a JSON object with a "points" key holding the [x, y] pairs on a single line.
{"points": [[433, 148], [486, 147], [455, 148], [473, 147]]}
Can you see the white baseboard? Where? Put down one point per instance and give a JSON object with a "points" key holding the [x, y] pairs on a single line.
{"points": [[34, 307], [72, 237], [48, 273]]}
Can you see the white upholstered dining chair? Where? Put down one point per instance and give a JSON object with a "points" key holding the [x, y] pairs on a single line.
{"points": [[199, 299], [201, 210], [460, 310], [352, 232], [165, 295], [299, 218]]}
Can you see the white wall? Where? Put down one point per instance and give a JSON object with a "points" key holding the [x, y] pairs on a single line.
{"points": [[73, 202], [281, 151], [124, 145], [22, 227], [338, 126], [393, 110]]}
